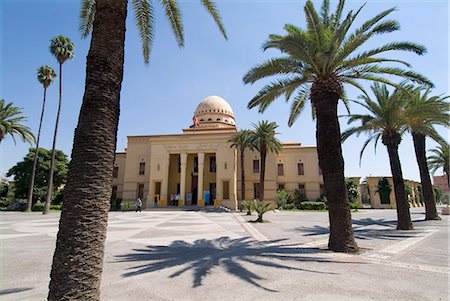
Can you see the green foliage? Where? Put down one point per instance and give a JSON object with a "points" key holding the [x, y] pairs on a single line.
{"points": [[312, 206], [46, 75], [12, 123], [440, 158], [4, 187], [326, 51], [283, 199], [241, 140], [352, 190], [437, 193], [263, 137], [261, 208], [384, 189], [126, 205], [409, 193], [62, 48], [298, 198], [22, 173], [39, 206], [355, 206], [144, 17], [249, 206]]}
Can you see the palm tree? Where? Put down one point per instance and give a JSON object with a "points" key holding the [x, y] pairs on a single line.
{"points": [[78, 259], [440, 159], [386, 120], [62, 48], [263, 140], [241, 140], [45, 75], [11, 123], [316, 64], [423, 111]]}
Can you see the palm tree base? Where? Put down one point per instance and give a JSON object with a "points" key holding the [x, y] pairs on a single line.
{"points": [[348, 248], [433, 218]]}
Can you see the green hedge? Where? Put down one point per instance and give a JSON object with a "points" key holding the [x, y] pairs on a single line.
{"points": [[312, 206]]}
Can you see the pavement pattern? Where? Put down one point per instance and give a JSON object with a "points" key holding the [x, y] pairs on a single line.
{"points": [[211, 255]]}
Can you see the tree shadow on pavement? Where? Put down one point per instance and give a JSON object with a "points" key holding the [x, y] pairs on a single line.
{"points": [[203, 255], [361, 230], [14, 290]]}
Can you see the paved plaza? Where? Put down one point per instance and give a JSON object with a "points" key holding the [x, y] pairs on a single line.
{"points": [[212, 255]]}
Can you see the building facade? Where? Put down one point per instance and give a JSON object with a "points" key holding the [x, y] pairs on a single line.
{"points": [[199, 167]]}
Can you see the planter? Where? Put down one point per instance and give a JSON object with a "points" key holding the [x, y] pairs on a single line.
{"points": [[446, 211]]}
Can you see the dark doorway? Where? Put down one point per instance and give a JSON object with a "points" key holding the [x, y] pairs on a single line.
{"points": [[194, 189], [212, 191]]}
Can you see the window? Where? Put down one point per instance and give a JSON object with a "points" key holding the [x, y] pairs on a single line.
{"points": [[256, 190], [141, 168], [322, 190], [226, 190], [280, 169], [320, 170], [280, 187], [140, 190], [195, 164], [212, 164], [300, 169], [302, 191], [115, 172], [256, 166], [178, 188]]}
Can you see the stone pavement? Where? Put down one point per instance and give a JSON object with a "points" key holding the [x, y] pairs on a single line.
{"points": [[189, 255]]}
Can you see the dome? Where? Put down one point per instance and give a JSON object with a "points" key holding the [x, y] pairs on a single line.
{"points": [[214, 111]]}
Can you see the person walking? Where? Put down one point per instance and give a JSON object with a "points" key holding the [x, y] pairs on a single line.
{"points": [[139, 205]]}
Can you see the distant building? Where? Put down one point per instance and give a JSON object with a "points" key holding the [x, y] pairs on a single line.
{"points": [[442, 182], [198, 166]]}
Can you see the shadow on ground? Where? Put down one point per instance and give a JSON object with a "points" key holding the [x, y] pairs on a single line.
{"points": [[360, 230], [203, 255], [14, 290]]}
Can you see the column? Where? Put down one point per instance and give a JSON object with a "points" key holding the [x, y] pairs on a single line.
{"points": [[233, 184], [219, 183], [165, 182], [183, 161], [201, 164]]}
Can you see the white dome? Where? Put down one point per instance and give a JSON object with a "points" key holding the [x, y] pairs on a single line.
{"points": [[214, 110]]}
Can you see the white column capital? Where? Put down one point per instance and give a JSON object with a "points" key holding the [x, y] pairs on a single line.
{"points": [[183, 158]]}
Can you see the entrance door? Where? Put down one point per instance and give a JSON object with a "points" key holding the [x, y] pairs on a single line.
{"points": [[194, 189]]}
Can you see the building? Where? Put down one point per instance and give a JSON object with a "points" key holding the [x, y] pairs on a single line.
{"points": [[442, 183], [198, 166], [380, 200]]}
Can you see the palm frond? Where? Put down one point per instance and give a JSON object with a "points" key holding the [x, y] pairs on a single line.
{"points": [[173, 14], [276, 66], [87, 15], [143, 15], [212, 10], [298, 105]]}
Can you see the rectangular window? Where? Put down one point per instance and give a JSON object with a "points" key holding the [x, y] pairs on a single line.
{"points": [[300, 169], [226, 190], [115, 172], [256, 166], [178, 188], [256, 190], [195, 164], [280, 169], [212, 164], [140, 190], [302, 191], [320, 170], [141, 168], [280, 187], [322, 190]]}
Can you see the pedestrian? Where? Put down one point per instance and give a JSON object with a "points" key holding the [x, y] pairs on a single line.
{"points": [[139, 205]]}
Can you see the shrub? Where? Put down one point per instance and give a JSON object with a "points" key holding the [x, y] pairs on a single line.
{"points": [[355, 206], [288, 207], [57, 200], [39, 206], [261, 208], [248, 205], [126, 205], [312, 206], [282, 198], [55, 207]]}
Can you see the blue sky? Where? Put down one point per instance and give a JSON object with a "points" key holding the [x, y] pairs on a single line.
{"points": [[160, 98]]}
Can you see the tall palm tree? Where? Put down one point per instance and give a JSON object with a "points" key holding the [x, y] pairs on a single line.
{"points": [[263, 139], [440, 159], [317, 62], [386, 120], [11, 123], [241, 140], [423, 111], [45, 75], [78, 259], [62, 48]]}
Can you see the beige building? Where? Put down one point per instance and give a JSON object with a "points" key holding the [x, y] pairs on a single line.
{"points": [[198, 166], [379, 202]]}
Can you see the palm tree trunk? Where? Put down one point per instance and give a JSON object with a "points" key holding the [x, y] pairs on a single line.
{"points": [[48, 198], [403, 215], [262, 175], [33, 171], [328, 135], [427, 188], [242, 175], [78, 259]]}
